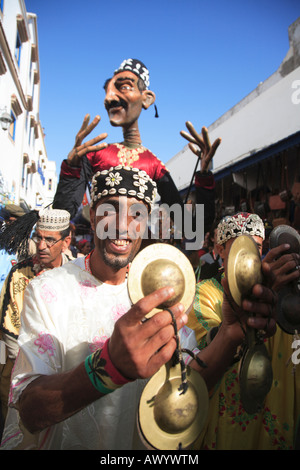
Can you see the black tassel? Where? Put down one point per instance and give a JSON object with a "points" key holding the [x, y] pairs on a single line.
{"points": [[14, 236], [156, 112]]}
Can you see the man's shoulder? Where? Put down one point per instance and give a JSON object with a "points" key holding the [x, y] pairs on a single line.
{"points": [[211, 283], [24, 267], [58, 275]]}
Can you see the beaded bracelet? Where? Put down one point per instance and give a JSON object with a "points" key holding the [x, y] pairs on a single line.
{"points": [[102, 373]]}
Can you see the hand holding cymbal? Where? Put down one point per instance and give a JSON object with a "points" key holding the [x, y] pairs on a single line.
{"points": [[243, 273], [174, 404]]}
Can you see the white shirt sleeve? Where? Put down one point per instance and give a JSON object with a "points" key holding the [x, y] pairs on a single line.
{"points": [[40, 350]]}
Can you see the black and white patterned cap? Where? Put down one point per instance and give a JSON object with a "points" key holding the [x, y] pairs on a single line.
{"points": [[54, 220], [137, 67], [123, 181], [235, 225]]}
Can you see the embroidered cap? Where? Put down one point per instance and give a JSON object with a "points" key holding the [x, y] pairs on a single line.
{"points": [[238, 224], [123, 181], [137, 67], [53, 220]]}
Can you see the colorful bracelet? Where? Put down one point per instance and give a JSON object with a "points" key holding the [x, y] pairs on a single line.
{"points": [[102, 373]]}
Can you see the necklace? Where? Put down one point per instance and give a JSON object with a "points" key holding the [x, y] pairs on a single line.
{"points": [[87, 265]]}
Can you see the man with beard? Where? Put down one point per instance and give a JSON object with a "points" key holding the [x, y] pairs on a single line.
{"points": [[51, 237], [84, 348], [127, 93]]}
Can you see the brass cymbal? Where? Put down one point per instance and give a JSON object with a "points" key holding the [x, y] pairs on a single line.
{"points": [[288, 302], [167, 419], [243, 267], [288, 309], [285, 234], [160, 265], [256, 377]]}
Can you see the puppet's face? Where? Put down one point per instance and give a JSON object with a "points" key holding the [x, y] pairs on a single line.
{"points": [[124, 100]]}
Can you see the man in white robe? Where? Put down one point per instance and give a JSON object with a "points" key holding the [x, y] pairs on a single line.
{"points": [[74, 312]]}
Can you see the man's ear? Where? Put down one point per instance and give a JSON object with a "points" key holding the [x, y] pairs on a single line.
{"points": [[148, 98], [67, 241], [220, 249]]}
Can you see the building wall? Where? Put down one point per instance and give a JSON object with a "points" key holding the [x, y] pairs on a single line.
{"points": [[267, 115], [23, 157]]}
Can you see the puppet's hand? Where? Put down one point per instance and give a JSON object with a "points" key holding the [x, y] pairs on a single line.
{"points": [[200, 145], [80, 149]]}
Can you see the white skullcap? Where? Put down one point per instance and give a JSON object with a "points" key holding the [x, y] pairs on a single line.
{"points": [[53, 220]]}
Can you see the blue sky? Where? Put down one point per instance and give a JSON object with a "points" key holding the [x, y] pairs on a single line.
{"points": [[203, 57]]}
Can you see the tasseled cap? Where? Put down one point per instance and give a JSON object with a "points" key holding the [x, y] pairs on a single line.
{"points": [[123, 181], [235, 225]]}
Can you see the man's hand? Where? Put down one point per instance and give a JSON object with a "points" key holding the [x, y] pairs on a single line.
{"points": [[257, 311], [139, 348], [80, 149], [285, 266], [200, 145]]}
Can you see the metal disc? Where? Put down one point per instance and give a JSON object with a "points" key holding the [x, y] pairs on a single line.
{"points": [[160, 265], [285, 234], [288, 303], [288, 309], [243, 267], [256, 377], [167, 419]]}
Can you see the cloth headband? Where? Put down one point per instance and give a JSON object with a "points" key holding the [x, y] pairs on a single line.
{"points": [[137, 67], [123, 181], [238, 224]]}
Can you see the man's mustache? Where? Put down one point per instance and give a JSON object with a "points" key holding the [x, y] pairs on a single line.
{"points": [[115, 104]]}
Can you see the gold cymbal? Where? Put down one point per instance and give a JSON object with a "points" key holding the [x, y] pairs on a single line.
{"points": [[160, 265], [243, 267], [167, 419], [256, 377]]}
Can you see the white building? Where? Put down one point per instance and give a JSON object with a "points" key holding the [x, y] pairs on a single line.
{"points": [[26, 174], [259, 156]]}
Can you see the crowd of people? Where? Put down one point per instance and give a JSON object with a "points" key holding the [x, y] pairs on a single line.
{"points": [[77, 353]]}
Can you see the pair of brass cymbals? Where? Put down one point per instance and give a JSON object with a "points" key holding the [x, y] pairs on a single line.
{"points": [[167, 418], [243, 272]]}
